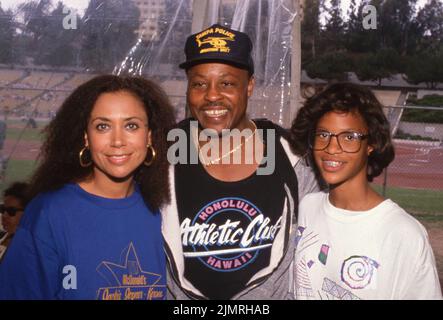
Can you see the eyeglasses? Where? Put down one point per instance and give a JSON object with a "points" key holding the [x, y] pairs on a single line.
{"points": [[348, 141], [11, 211]]}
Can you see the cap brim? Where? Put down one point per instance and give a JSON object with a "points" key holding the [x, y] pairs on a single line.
{"points": [[189, 64]]}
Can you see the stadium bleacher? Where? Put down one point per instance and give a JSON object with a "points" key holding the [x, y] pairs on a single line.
{"points": [[74, 81], [26, 91], [8, 76], [45, 91], [42, 80]]}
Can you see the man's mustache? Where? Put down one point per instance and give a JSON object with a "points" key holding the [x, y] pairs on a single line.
{"points": [[216, 104]]}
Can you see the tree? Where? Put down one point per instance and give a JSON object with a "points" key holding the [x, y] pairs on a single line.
{"points": [[56, 46], [330, 66], [334, 30], [310, 30], [378, 66], [430, 25], [398, 26], [35, 21], [356, 38], [109, 28], [6, 36], [426, 67]]}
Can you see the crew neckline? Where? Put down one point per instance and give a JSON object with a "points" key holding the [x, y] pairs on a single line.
{"points": [[246, 180], [345, 215], [109, 203]]}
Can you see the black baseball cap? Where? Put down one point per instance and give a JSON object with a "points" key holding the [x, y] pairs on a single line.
{"points": [[219, 44]]}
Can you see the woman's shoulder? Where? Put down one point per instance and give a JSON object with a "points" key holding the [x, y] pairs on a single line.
{"points": [[64, 195], [402, 223], [48, 204]]}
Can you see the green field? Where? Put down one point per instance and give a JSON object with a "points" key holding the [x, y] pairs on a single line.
{"points": [[28, 134], [18, 170], [17, 129], [424, 204]]}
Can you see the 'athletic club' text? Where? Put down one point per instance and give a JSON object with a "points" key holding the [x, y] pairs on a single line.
{"points": [[228, 233]]}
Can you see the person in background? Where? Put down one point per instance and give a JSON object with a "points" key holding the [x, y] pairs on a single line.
{"points": [[3, 131], [93, 228], [15, 199], [352, 242]]}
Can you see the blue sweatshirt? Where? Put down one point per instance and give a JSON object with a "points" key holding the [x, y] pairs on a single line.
{"points": [[74, 245]]}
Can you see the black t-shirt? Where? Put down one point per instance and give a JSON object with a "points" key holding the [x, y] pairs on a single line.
{"points": [[228, 228]]}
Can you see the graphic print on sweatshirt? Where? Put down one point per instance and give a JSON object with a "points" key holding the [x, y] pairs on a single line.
{"points": [[128, 281], [228, 234], [320, 274], [232, 231]]}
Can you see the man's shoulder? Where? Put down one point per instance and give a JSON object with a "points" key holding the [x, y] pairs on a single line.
{"points": [[263, 123], [185, 123]]}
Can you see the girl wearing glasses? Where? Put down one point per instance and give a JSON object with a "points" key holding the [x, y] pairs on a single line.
{"points": [[351, 242], [15, 199]]}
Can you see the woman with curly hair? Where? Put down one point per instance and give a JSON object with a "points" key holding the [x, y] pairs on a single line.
{"points": [[353, 243], [93, 228]]}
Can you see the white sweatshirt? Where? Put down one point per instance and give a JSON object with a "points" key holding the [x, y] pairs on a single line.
{"points": [[382, 253]]}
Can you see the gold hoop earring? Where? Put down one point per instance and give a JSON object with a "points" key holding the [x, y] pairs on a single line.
{"points": [[153, 154], [80, 156]]}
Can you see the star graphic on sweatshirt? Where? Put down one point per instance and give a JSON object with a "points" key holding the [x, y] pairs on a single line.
{"points": [[128, 272]]}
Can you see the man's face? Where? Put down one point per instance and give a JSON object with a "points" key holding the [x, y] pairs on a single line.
{"points": [[218, 95]]}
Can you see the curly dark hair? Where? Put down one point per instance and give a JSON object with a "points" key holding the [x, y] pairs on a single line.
{"points": [[346, 97], [19, 190], [65, 137]]}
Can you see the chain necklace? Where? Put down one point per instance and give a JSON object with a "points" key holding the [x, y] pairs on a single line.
{"points": [[217, 160]]}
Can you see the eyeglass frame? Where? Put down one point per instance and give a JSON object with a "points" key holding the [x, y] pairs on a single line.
{"points": [[7, 210], [360, 136]]}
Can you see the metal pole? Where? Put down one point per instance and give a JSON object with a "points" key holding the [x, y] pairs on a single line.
{"points": [[199, 8], [295, 64]]}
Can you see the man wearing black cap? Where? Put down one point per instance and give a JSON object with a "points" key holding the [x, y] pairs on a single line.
{"points": [[230, 228]]}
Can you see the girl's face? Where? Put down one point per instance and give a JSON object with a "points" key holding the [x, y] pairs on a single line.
{"points": [[117, 135], [345, 158]]}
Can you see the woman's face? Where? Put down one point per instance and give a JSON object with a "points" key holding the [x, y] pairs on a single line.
{"points": [[10, 221], [335, 165], [117, 135]]}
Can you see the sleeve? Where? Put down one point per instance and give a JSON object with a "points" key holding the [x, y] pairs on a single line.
{"points": [[30, 268], [307, 182], [424, 284]]}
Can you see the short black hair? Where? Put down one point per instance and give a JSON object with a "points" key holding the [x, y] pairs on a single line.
{"points": [[346, 97], [19, 190]]}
